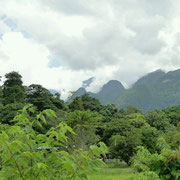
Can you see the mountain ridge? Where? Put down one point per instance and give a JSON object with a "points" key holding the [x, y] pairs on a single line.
{"points": [[157, 89]]}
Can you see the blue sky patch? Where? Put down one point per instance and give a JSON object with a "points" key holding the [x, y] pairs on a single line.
{"points": [[9, 22], [54, 63]]}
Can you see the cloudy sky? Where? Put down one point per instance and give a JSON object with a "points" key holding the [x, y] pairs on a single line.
{"points": [[60, 43]]}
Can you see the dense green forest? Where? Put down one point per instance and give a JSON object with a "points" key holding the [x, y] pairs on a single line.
{"points": [[149, 141]]}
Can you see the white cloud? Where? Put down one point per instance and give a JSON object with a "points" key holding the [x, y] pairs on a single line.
{"points": [[118, 39]]}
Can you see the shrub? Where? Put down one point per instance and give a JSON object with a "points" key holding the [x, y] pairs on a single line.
{"points": [[21, 159], [165, 165]]}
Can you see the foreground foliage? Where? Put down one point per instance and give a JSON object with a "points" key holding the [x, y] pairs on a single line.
{"points": [[21, 159], [164, 165], [122, 130]]}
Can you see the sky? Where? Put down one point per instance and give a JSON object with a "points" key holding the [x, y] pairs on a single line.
{"points": [[61, 43]]}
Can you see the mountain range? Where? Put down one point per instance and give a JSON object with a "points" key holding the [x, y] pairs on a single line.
{"points": [[155, 90]]}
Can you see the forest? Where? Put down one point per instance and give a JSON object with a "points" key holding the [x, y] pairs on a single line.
{"points": [[44, 137]]}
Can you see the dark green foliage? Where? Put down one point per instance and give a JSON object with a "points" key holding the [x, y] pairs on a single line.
{"points": [[132, 109], [13, 94], [159, 120], [76, 104], [173, 137], [8, 112], [90, 103], [13, 91], [42, 98], [124, 147], [173, 113], [123, 135], [85, 103], [164, 165], [149, 138], [13, 79], [115, 126], [108, 112]]}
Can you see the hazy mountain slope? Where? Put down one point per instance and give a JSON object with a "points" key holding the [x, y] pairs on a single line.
{"points": [[110, 92], [107, 94], [155, 90], [150, 78]]}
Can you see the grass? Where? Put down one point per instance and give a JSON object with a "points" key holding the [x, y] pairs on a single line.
{"points": [[112, 174]]}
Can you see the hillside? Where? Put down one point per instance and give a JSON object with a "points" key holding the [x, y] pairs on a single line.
{"points": [[108, 93], [155, 90]]}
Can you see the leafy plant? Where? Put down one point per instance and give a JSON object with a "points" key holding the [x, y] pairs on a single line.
{"points": [[27, 155], [165, 165]]}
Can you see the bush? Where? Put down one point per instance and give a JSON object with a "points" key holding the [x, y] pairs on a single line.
{"points": [[165, 165], [21, 159]]}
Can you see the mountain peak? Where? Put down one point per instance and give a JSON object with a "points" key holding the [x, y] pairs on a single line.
{"points": [[113, 84], [156, 71], [151, 77], [110, 91]]}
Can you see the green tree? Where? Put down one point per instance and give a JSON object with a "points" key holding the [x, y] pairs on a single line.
{"points": [[84, 124], [13, 79], [13, 91], [136, 120], [76, 104], [114, 127], [159, 120], [40, 97], [8, 112], [132, 110], [124, 147], [90, 103], [173, 137], [108, 112], [173, 113], [149, 138]]}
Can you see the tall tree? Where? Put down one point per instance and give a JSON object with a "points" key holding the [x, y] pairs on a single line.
{"points": [[39, 97], [84, 124], [13, 90], [43, 99]]}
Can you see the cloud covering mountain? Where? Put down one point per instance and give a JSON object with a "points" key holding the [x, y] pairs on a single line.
{"points": [[59, 44]]}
